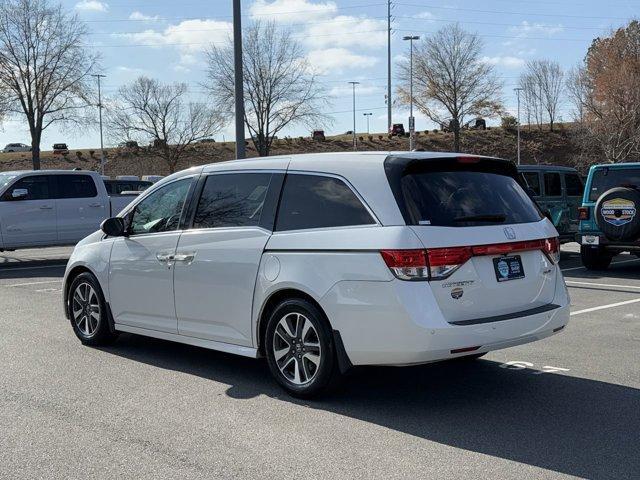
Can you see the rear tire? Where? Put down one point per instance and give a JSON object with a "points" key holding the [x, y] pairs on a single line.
{"points": [[595, 258], [300, 349], [88, 311]]}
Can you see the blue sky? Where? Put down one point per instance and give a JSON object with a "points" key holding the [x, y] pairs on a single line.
{"points": [[344, 39]]}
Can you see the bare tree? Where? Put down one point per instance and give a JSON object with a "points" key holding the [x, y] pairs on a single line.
{"points": [[44, 65], [578, 90], [279, 88], [450, 79], [147, 110], [542, 84]]}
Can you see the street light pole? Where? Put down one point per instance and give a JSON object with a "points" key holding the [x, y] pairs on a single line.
{"points": [[238, 78], [355, 143], [517, 90], [102, 159], [412, 121], [367, 115], [389, 120]]}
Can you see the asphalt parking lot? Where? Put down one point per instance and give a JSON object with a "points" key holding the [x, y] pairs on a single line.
{"points": [[568, 406]]}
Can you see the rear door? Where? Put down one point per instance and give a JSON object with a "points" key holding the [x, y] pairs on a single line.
{"points": [[29, 221], [452, 206], [574, 189], [79, 207], [217, 260]]}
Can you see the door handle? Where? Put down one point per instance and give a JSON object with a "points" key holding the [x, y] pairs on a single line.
{"points": [[164, 257], [46, 207], [184, 257]]}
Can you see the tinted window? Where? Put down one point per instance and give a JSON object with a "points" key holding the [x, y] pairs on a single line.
{"points": [[607, 178], [76, 186], [465, 198], [232, 200], [532, 180], [573, 184], [161, 210], [552, 186], [312, 201], [37, 185]]}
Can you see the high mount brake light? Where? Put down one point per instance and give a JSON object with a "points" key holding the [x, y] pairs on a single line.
{"points": [[468, 159], [440, 263]]}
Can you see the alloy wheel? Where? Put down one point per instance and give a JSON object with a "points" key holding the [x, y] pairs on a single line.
{"points": [[85, 307], [296, 348]]}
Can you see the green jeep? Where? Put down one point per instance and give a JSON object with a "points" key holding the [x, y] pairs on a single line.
{"points": [[609, 220], [558, 192]]}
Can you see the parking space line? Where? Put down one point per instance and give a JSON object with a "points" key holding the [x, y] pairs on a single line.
{"points": [[13, 269], [612, 263], [602, 307], [601, 284], [31, 283]]}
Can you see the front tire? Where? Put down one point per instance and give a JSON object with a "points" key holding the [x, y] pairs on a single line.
{"points": [[595, 258], [88, 311], [300, 349]]}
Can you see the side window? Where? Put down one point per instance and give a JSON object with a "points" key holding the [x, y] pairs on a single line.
{"points": [[38, 188], [232, 200], [533, 181], [573, 184], [552, 185], [313, 201], [76, 186], [160, 211]]}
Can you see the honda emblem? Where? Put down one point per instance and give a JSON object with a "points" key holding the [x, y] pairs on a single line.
{"points": [[510, 233]]}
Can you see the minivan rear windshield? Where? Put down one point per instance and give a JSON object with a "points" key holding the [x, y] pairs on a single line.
{"points": [[604, 179], [461, 198]]}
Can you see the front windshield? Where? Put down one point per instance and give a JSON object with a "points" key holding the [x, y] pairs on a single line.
{"points": [[5, 178]]}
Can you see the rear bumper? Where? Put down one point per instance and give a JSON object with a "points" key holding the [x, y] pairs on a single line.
{"points": [[607, 244], [387, 323]]}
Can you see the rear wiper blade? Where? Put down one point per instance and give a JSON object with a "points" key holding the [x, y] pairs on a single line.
{"points": [[497, 217]]}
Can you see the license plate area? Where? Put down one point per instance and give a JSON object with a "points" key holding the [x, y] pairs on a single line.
{"points": [[508, 268]]}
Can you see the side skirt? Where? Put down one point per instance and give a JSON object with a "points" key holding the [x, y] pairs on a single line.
{"points": [[196, 342]]}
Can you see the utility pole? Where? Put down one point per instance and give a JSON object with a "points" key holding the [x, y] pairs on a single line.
{"points": [[517, 90], [102, 158], [355, 143], [239, 88], [389, 120], [367, 115], [412, 121]]}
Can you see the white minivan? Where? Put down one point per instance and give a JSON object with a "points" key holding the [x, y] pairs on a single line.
{"points": [[321, 262]]}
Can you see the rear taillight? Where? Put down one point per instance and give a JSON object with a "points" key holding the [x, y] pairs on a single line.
{"points": [[407, 264], [583, 213], [551, 249], [440, 263]]}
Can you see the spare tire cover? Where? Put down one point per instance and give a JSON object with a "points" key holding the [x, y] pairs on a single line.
{"points": [[617, 214]]}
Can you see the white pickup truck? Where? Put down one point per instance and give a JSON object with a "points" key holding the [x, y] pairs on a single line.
{"points": [[53, 207]]}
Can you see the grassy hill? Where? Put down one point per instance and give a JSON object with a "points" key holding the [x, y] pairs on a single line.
{"points": [[537, 147]]}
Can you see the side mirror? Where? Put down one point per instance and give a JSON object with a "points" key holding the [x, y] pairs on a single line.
{"points": [[19, 194], [113, 227]]}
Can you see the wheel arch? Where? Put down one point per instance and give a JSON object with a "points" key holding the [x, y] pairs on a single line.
{"points": [[69, 278]]}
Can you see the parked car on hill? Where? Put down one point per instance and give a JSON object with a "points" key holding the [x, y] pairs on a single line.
{"points": [[609, 219], [16, 147], [397, 130], [53, 207], [558, 191], [60, 149], [324, 261]]}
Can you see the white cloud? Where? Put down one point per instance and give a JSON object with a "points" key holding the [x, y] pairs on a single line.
{"points": [[527, 29], [190, 37], [347, 31], [92, 6], [291, 10], [335, 60], [346, 90], [426, 15], [141, 16], [506, 61]]}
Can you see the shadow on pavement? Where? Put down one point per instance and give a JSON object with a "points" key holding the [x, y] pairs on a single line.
{"points": [[570, 425]]}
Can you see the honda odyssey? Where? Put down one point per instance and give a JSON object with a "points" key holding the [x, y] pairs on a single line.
{"points": [[321, 262]]}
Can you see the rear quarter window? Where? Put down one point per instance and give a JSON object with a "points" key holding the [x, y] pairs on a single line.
{"points": [[315, 201]]}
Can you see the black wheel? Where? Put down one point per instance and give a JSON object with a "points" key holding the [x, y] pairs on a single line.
{"points": [[300, 349], [595, 258], [88, 311]]}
